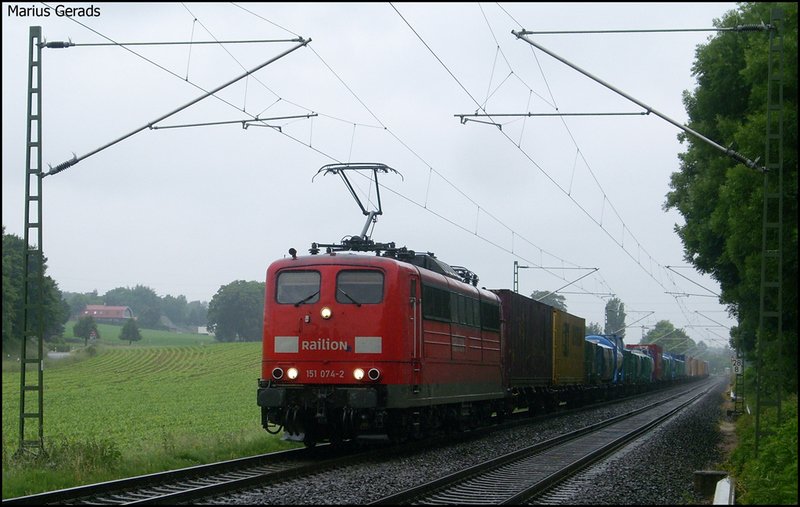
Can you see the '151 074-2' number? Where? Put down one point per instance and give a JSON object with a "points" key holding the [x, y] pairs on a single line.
{"points": [[325, 373]]}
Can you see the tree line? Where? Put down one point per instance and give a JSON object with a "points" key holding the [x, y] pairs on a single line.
{"points": [[722, 200], [234, 313], [664, 333], [151, 310]]}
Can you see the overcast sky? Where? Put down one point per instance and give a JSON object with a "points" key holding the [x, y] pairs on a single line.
{"points": [[187, 210]]}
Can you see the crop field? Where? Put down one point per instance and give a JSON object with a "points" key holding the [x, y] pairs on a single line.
{"points": [[146, 398]]}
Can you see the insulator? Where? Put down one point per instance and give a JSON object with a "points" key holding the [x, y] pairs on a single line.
{"points": [[58, 45], [60, 167], [752, 27]]}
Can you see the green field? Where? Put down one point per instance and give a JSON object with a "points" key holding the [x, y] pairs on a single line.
{"points": [[131, 410], [109, 335]]}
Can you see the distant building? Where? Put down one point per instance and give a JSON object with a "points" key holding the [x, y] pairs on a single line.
{"points": [[108, 314]]}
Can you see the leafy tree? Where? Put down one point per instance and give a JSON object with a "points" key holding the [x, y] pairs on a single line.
{"points": [[197, 313], [12, 289], [236, 311], [594, 329], [84, 328], [130, 332], [672, 339], [720, 199], [550, 298], [55, 314], [174, 308], [78, 302], [615, 317], [146, 305], [144, 302]]}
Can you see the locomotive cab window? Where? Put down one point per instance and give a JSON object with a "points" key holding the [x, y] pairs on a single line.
{"points": [[297, 287], [359, 287]]}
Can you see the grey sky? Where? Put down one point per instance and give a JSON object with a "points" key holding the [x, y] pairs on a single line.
{"points": [[186, 210]]}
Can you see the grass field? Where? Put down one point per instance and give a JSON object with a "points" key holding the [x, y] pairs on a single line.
{"points": [[109, 335], [132, 410]]}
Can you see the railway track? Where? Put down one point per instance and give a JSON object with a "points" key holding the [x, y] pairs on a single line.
{"points": [[188, 484], [520, 476], [207, 481]]}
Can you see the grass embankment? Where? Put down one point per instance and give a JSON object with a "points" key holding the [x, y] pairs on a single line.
{"points": [[768, 477], [119, 411]]}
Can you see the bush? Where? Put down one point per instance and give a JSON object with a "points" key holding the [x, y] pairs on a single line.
{"points": [[89, 351], [771, 477], [58, 345], [86, 455]]}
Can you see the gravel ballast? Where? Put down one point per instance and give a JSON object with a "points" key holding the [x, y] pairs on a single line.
{"points": [[655, 470]]}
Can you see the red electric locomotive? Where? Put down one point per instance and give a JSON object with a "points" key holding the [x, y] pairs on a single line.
{"points": [[395, 344]]}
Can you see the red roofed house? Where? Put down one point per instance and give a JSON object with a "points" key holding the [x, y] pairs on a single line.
{"points": [[103, 313]]}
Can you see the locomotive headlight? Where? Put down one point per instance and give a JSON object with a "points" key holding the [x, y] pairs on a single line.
{"points": [[325, 313], [277, 373], [358, 373], [292, 373], [374, 374]]}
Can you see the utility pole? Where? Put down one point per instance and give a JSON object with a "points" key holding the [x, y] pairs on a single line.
{"points": [[32, 353], [517, 267], [769, 338], [769, 341], [31, 408]]}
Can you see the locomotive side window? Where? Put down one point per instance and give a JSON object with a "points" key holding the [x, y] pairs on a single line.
{"points": [[359, 287], [435, 303], [297, 287], [490, 316], [475, 308], [458, 308], [465, 310], [444, 305]]}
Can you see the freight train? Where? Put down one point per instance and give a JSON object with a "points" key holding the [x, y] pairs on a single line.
{"points": [[401, 344]]}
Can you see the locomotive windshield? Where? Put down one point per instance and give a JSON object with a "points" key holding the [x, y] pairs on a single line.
{"points": [[298, 287], [359, 287]]}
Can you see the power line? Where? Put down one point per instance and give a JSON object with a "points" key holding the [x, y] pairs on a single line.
{"points": [[424, 206], [522, 34], [619, 243], [75, 159], [177, 43], [737, 28]]}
